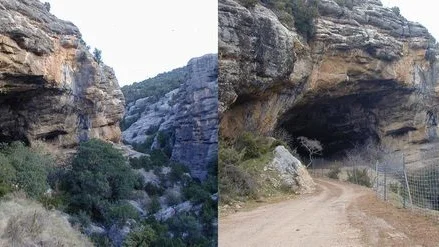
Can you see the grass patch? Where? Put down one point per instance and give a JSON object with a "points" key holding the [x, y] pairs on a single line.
{"points": [[26, 223]]}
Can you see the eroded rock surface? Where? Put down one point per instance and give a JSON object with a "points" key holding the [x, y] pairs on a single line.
{"points": [[368, 73], [291, 171], [189, 116], [51, 87]]}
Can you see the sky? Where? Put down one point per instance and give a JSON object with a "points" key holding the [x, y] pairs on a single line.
{"points": [[422, 11], [142, 38]]}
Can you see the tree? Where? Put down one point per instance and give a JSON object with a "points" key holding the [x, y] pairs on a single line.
{"points": [[97, 54], [100, 175], [314, 147], [396, 11], [142, 237], [47, 6]]}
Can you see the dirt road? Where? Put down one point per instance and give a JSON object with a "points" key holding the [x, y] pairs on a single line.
{"points": [[339, 214]]}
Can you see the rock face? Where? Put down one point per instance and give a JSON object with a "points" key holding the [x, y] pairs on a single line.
{"points": [[189, 114], [291, 171], [367, 73], [51, 87]]}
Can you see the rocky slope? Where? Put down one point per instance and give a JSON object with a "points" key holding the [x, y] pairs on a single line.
{"points": [[367, 73], [188, 115], [51, 87]]}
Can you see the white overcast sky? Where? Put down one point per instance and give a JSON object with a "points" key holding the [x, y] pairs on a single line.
{"points": [[422, 11], [142, 38]]}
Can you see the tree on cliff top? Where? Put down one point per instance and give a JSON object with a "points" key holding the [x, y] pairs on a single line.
{"points": [[97, 54]]}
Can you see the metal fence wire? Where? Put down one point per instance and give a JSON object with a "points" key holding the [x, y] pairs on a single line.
{"points": [[398, 183]]}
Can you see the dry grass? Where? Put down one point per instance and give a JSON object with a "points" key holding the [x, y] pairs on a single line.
{"points": [[26, 223]]}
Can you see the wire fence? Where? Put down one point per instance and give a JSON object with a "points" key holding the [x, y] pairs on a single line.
{"points": [[394, 182]]}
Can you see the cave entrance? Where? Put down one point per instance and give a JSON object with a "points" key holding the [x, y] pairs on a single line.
{"points": [[342, 121]]}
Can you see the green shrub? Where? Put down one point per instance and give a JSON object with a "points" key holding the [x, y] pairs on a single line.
{"points": [[304, 13], [334, 172], [99, 175], [188, 228], [360, 177], [54, 201], [97, 54], [25, 169], [248, 142], [162, 138], [143, 236], [196, 193], [152, 129], [235, 181], [81, 219], [158, 158], [248, 3], [153, 190], [177, 171], [4, 189], [396, 11], [120, 212], [346, 3], [154, 206]]}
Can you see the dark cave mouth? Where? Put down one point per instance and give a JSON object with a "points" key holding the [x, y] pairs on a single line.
{"points": [[341, 123]]}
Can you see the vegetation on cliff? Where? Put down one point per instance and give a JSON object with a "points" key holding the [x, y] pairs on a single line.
{"points": [[100, 189], [298, 13], [155, 87], [242, 168]]}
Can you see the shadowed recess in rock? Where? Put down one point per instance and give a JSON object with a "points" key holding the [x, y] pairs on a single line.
{"points": [[342, 122]]}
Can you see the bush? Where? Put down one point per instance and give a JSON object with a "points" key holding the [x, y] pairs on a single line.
{"points": [[120, 212], [304, 13], [177, 171], [97, 54], [143, 236], [396, 11], [152, 129], [248, 3], [248, 142], [360, 177], [24, 169], [346, 3], [196, 193], [235, 181], [154, 205], [153, 190], [99, 175], [334, 172]]}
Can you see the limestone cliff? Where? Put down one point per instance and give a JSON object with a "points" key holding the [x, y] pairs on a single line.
{"points": [[187, 116], [367, 73], [51, 87]]}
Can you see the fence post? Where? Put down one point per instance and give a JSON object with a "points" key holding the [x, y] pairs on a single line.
{"points": [[385, 181], [407, 182], [376, 178]]}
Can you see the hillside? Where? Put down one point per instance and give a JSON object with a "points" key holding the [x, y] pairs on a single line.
{"points": [[155, 87], [183, 121]]}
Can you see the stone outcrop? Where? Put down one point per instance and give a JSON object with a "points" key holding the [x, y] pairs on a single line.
{"points": [[188, 114], [291, 171], [51, 87], [367, 73]]}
